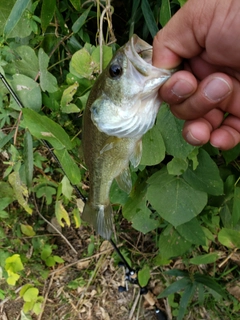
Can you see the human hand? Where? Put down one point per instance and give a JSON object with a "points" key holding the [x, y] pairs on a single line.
{"points": [[206, 35]]}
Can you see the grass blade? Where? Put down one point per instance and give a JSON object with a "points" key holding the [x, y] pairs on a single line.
{"points": [[149, 17]]}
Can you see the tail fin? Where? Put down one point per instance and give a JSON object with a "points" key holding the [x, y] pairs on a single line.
{"points": [[100, 217]]}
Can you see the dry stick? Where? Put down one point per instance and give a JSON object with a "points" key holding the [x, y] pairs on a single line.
{"points": [[134, 305], [61, 235], [45, 298]]}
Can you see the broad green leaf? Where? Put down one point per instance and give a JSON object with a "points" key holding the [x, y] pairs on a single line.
{"points": [[30, 294], [69, 166], [15, 15], [175, 287], [81, 20], [27, 230], [46, 252], [171, 130], [144, 276], [5, 201], [25, 288], [236, 206], [229, 238], [28, 91], [4, 214], [231, 154], [20, 190], [192, 231], [47, 81], [44, 128], [177, 166], [28, 306], [27, 64], [6, 139], [46, 191], [61, 214], [136, 201], [107, 55], [58, 259], [142, 221], [182, 2], [206, 176], [67, 97], [165, 12], [82, 65], [37, 308], [117, 195], [67, 189], [205, 258], [12, 278], [14, 263], [153, 147], [6, 191], [174, 200], [47, 12], [28, 157], [172, 244], [149, 17]]}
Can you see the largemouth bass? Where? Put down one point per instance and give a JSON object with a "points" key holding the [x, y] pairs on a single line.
{"points": [[122, 106]]}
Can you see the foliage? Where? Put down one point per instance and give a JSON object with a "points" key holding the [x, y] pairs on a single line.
{"points": [[186, 197]]}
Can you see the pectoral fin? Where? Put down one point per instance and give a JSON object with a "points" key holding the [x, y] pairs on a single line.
{"points": [[110, 144], [124, 180], [137, 154]]}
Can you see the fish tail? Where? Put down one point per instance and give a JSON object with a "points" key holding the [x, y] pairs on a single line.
{"points": [[100, 217]]}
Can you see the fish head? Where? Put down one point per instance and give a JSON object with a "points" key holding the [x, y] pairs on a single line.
{"points": [[127, 102]]}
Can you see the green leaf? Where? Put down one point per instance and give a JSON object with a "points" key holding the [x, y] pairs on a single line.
{"points": [[175, 200], [44, 128], [27, 64], [186, 297], [76, 4], [28, 92], [28, 157], [177, 166], [76, 217], [107, 55], [67, 189], [47, 12], [210, 283], [81, 20], [20, 191], [175, 287], [67, 97], [31, 294], [61, 214], [206, 176], [47, 81], [69, 166], [27, 230], [236, 206], [153, 147], [82, 65], [192, 231], [47, 192], [144, 276], [205, 258], [165, 12], [171, 130], [14, 263], [172, 244], [37, 308], [16, 13], [229, 238], [149, 17], [231, 154], [142, 221], [58, 259], [4, 214]]}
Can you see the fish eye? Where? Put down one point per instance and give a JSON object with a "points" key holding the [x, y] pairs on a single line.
{"points": [[115, 71]]}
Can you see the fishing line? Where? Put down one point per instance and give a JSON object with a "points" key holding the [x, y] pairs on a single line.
{"points": [[131, 275]]}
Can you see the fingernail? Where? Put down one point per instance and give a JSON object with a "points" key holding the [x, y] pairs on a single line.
{"points": [[192, 140], [182, 89], [217, 89]]}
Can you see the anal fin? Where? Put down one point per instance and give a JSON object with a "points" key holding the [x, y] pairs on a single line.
{"points": [[100, 217]]}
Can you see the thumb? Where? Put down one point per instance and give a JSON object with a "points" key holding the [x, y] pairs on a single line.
{"points": [[184, 35]]}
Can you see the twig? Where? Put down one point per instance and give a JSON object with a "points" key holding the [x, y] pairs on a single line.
{"points": [[49, 223], [45, 298], [134, 305]]}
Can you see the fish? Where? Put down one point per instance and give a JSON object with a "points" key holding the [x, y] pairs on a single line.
{"points": [[122, 106]]}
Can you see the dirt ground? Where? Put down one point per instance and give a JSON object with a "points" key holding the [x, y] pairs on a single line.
{"points": [[86, 287]]}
